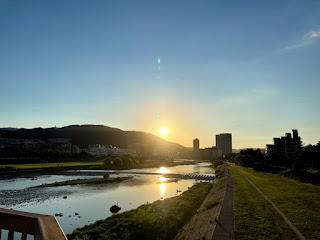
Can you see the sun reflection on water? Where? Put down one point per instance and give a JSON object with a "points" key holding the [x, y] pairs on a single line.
{"points": [[162, 189], [162, 181], [163, 170]]}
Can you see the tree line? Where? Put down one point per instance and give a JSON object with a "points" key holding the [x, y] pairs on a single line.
{"points": [[303, 164]]}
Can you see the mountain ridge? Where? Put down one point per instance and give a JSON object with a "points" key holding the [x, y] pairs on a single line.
{"points": [[84, 135]]}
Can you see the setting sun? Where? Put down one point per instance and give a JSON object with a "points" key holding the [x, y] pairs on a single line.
{"points": [[163, 131]]}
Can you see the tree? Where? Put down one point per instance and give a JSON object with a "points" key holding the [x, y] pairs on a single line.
{"points": [[117, 162], [108, 161], [126, 161]]}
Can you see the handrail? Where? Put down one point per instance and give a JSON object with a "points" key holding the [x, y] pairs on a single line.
{"points": [[42, 227]]}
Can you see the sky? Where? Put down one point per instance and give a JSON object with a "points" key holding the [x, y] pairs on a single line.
{"points": [[250, 68]]}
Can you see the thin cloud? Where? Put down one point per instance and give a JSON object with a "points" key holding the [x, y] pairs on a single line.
{"points": [[313, 34], [307, 39]]}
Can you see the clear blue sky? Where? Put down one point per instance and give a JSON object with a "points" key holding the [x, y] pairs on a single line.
{"points": [[246, 67]]}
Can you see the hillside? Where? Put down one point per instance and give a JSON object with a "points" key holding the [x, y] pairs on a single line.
{"points": [[83, 135]]}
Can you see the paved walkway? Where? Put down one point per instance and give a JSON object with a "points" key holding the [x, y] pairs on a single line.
{"points": [[223, 230], [214, 219]]}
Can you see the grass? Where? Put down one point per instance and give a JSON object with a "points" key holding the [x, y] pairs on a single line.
{"points": [[158, 220], [49, 165], [255, 218]]}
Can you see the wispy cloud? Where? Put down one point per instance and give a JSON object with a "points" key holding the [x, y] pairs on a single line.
{"points": [[307, 39], [313, 34]]}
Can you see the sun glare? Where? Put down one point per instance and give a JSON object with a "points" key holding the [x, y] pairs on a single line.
{"points": [[163, 131], [163, 170], [162, 179]]}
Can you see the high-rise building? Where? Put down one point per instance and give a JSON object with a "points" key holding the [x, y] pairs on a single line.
{"points": [[285, 145], [224, 143], [196, 144]]}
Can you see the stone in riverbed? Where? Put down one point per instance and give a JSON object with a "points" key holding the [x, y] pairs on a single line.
{"points": [[115, 209]]}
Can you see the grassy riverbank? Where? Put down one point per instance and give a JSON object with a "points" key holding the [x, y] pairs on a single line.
{"points": [[84, 181], [255, 218], [158, 220], [48, 165]]}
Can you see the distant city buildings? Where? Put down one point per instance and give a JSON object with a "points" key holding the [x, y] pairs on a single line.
{"points": [[210, 153], [224, 143], [63, 144], [223, 147], [102, 150], [196, 144], [285, 145]]}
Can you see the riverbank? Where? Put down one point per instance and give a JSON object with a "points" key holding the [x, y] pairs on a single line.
{"points": [[256, 218], [32, 170], [159, 220], [214, 212], [84, 181], [7, 167], [37, 169]]}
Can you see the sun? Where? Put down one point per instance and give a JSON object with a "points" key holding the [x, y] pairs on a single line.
{"points": [[163, 131]]}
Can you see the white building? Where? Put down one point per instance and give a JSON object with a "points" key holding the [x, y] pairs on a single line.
{"points": [[101, 150]]}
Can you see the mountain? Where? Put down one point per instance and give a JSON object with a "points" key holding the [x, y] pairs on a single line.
{"points": [[9, 129], [84, 135]]}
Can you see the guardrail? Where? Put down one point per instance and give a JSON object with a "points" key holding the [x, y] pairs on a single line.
{"points": [[42, 227]]}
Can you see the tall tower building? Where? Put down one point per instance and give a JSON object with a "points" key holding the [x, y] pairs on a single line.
{"points": [[224, 143], [196, 144]]}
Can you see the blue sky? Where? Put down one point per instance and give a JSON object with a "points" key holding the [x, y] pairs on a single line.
{"points": [[246, 67]]}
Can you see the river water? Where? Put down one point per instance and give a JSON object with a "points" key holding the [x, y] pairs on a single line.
{"points": [[85, 204]]}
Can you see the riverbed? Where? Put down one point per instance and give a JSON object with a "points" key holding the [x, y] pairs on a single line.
{"points": [[84, 204]]}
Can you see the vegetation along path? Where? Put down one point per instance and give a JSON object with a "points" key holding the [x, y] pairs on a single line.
{"points": [[256, 218], [159, 220]]}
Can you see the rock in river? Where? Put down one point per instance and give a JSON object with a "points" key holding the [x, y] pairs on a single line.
{"points": [[115, 209]]}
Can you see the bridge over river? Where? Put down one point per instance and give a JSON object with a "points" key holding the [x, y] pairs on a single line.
{"points": [[171, 175], [197, 176]]}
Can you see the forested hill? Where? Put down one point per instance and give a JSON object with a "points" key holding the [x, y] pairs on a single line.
{"points": [[83, 135]]}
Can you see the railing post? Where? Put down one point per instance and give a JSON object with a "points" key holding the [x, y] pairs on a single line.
{"points": [[10, 236], [23, 237]]}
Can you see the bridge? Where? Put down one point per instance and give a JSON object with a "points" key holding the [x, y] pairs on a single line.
{"points": [[171, 175], [196, 176]]}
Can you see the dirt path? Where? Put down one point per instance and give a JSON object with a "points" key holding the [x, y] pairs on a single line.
{"points": [[297, 232]]}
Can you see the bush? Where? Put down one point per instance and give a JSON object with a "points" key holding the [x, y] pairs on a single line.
{"points": [[106, 175]]}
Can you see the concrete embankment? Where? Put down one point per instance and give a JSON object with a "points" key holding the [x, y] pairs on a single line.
{"points": [[214, 219]]}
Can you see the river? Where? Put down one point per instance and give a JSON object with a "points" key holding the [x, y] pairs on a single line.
{"points": [[85, 204]]}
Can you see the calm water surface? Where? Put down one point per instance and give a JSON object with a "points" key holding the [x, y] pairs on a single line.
{"points": [[92, 202]]}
